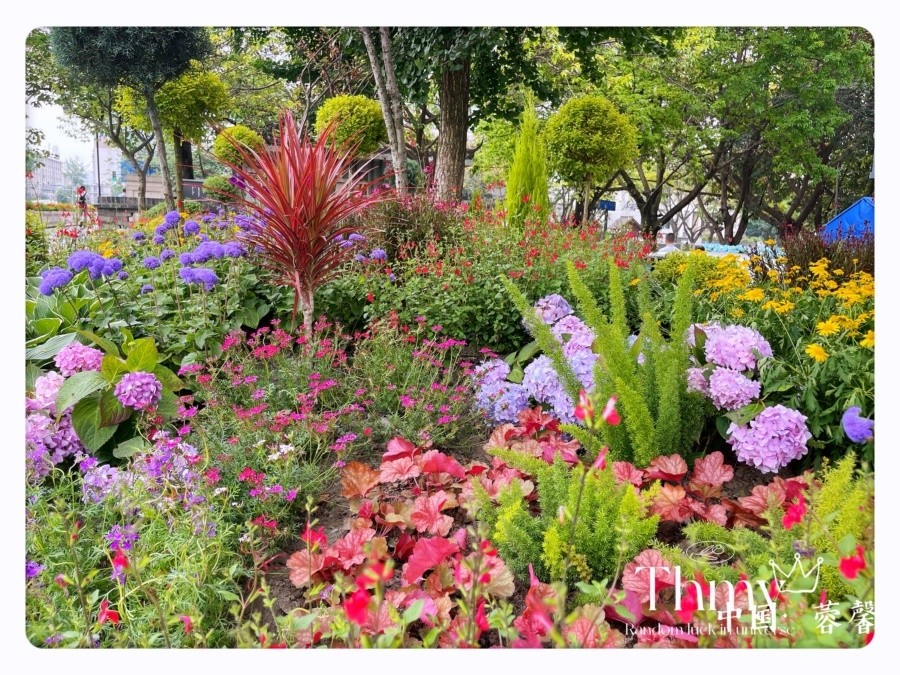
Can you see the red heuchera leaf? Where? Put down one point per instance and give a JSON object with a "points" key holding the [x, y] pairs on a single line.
{"points": [[398, 447], [585, 632], [435, 461], [427, 517], [427, 553], [672, 504], [500, 437], [710, 473], [716, 513], [626, 472], [357, 479], [404, 468], [632, 604], [404, 547], [638, 580], [349, 548], [553, 446], [741, 515], [667, 467], [303, 565]]}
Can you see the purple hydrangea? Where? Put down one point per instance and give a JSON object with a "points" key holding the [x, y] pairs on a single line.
{"points": [[166, 253], [543, 385], [53, 278], [147, 288], [502, 401], [552, 308], [582, 363], [696, 381], [774, 438], [122, 537], [858, 429], [46, 387], [735, 347], [574, 334], [172, 218], [731, 389], [138, 390], [491, 372], [48, 441], [378, 254], [76, 357], [152, 262]]}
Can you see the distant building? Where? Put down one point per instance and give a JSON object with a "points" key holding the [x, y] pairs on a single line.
{"points": [[46, 179], [109, 158]]}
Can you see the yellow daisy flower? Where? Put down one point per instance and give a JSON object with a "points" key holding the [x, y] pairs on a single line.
{"points": [[817, 353], [829, 327], [753, 295], [868, 340]]}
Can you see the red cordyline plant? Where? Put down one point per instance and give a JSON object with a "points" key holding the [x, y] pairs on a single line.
{"points": [[303, 194]]}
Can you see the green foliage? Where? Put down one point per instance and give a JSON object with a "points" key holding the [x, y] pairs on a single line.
{"points": [[355, 117], [588, 140], [527, 195], [219, 188], [586, 525], [223, 147], [497, 138], [190, 206], [36, 255]]}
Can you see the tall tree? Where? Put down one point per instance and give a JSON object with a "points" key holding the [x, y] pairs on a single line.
{"points": [[142, 58]]}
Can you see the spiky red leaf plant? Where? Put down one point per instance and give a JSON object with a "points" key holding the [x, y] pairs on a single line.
{"points": [[303, 194]]}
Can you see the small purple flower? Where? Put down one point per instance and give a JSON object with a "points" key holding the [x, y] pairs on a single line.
{"points": [[122, 537], [233, 249], [122, 275], [152, 262], [138, 236], [858, 429], [360, 258], [166, 253], [696, 381], [356, 237], [172, 218], [32, 569], [159, 239], [138, 390], [191, 227], [200, 275], [552, 308], [147, 288], [55, 277], [378, 254], [186, 258]]}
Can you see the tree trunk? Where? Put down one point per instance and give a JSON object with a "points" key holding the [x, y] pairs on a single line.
{"points": [[187, 160], [177, 140], [454, 125], [587, 200], [153, 113], [142, 191], [398, 158]]}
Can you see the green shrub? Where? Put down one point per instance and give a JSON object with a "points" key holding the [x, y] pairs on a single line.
{"points": [[355, 117], [218, 188], [223, 147], [190, 206], [36, 255], [527, 195]]}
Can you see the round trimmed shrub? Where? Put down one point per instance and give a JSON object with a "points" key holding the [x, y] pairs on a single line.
{"points": [[218, 188], [355, 117], [223, 147]]}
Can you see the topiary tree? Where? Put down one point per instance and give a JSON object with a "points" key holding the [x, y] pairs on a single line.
{"points": [[588, 140], [354, 117], [526, 186], [224, 148], [220, 189], [140, 57]]}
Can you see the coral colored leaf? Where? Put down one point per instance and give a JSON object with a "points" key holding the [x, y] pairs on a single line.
{"points": [[637, 574], [349, 548], [710, 474], [404, 547], [671, 504], [500, 437], [357, 479], [427, 553], [427, 517], [626, 472], [303, 565], [398, 447], [585, 632], [716, 513], [741, 515], [397, 470], [435, 461], [671, 468]]}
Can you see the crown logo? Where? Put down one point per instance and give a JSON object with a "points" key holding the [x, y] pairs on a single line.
{"points": [[796, 580]]}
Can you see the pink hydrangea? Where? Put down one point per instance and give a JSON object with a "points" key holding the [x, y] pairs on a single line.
{"points": [[696, 381], [735, 347], [46, 387], [730, 389], [138, 390], [774, 438], [47, 441], [76, 357]]}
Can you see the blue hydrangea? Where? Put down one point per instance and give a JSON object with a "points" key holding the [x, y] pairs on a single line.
{"points": [[552, 308]]}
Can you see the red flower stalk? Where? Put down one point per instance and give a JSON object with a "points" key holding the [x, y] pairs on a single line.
{"points": [[107, 614], [303, 193], [850, 567], [794, 513], [610, 415], [585, 408]]}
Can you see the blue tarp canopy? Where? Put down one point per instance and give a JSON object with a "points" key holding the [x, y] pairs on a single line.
{"points": [[853, 221]]}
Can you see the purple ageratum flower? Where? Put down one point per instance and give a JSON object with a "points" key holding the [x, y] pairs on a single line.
{"points": [[207, 251], [696, 381], [774, 438], [53, 278], [159, 239], [360, 258], [356, 238], [200, 275], [152, 262], [82, 260], [186, 258], [234, 249], [147, 288], [730, 389], [858, 429], [204, 237], [191, 227], [552, 308], [76, 357], [161, 230], [138, 390], [122, 275], [138, 236], [172, 218], [122, 537], [32, 569], [378, 254], [735, 347], [166, 253]]}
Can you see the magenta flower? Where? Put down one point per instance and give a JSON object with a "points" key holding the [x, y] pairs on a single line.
{"points": [[76, 357]]}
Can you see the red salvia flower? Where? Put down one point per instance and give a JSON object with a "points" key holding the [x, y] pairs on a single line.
{"points": [[107, 614], [356, 607], [850, 567]]}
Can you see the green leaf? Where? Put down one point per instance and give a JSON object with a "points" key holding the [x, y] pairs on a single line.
{"points": [[111, 411], [168, 379], [50, 348], [413, 612], [743, 415], [86, 421], [722, 424], [47, 327], [142, 356], [32, 373], [168, 404], [528, 351], [112, 367], [516, 375], [129, 447], [77, 387], [106, 345]]}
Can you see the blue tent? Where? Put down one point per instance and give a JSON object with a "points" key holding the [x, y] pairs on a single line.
{"points": [[853, 221]]}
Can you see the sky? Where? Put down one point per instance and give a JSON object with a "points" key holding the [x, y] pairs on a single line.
{"points": [[52, 121]]}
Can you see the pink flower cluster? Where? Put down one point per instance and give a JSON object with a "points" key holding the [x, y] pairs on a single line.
{"points": [[775, 437], [47, 441], [76, 357], [730, 389], [139, 390], [735, 347]]}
